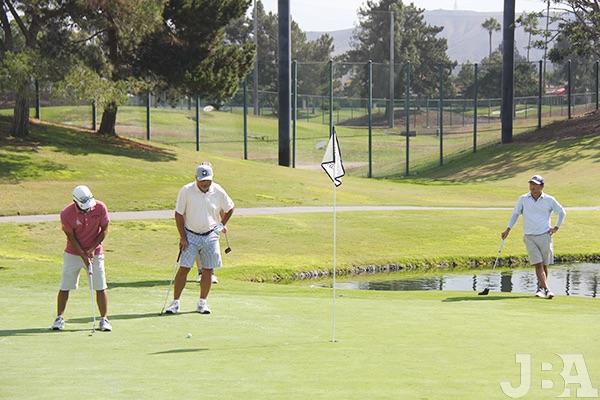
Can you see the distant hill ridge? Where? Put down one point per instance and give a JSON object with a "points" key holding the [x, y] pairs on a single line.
{"points": [[467, 40]]}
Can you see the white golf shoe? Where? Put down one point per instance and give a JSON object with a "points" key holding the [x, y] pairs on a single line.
{"points": [[213, 279], [549, 294], [105, 326], [203, 307], [541, 293], [173, 307], [59, 324]]}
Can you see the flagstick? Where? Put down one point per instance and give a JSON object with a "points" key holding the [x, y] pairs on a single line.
{"points": [[334, 258]]}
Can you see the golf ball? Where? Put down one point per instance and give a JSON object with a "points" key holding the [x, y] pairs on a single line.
{"points": [[189, 335]]}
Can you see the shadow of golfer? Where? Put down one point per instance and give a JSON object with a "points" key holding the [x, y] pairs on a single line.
{"points": [[177, 351], [483, 298], [35, 331], [271, 346], [129, 316]]}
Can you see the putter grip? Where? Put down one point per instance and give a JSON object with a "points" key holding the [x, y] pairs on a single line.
{"points": [[179, 255]]}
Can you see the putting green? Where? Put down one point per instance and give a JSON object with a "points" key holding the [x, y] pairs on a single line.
{"points": [[271, 342]]}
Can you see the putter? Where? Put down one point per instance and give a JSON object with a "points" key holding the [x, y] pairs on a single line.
{"points": [[90, 275], [485, 291], [171, 284], [228, 249]]}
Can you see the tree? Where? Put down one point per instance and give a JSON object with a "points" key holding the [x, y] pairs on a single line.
{"points": [[31, 31], [491, 25], [582, 66], [529, 22], [191, 52], [414, 42], [312, 56], [113, 33], [490, 77], [579, 21]]}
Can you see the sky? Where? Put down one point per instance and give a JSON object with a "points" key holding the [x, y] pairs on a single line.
{"points": [[331, 15]]}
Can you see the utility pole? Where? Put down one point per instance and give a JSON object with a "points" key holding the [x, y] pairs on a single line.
{"points": [[255, 83], [508, 62], [285, 56], [391, 106]]}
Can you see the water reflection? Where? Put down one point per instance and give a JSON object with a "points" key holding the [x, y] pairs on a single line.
{"points": [[569, 280]]}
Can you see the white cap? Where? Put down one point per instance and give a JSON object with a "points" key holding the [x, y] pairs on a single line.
{"points": [[537, 179], [82, 195], [204, 173]]}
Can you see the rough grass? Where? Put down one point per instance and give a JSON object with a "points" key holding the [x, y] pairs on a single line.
{"points": [[37, 176]]}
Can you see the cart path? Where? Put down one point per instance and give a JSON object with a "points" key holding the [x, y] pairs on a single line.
{"points": [[169, 214]]}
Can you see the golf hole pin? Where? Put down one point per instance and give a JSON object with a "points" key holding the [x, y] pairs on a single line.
{"points": [[189, 336]]}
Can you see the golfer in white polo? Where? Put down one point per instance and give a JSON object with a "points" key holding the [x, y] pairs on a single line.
{"points": [[537, 207], [202, 211]]}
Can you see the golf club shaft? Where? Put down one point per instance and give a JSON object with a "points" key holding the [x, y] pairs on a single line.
{"points": [[499, 253], [171, 283], [227, 240], [90, 275]]}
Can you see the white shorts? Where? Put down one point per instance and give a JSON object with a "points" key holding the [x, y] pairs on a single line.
{"points": [[539, 248], [73, 264]]}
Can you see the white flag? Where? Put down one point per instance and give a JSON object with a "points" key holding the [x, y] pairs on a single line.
{"points": [[332, 160]]}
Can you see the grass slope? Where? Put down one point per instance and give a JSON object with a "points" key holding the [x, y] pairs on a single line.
{"points": [[37, 176]]}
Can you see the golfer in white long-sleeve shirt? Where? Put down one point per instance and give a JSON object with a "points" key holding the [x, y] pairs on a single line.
{"points": [[536, 208]]}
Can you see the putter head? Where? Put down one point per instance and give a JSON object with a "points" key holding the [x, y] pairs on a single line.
{"points": [[228, 250], [484, 292]]}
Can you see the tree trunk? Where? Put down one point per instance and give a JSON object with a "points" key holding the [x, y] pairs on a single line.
{"points": [[490, 46], [109, 120], [20, 123]]}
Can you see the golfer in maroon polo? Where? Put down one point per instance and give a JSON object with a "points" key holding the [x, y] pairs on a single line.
{"points": [[85, 222]]}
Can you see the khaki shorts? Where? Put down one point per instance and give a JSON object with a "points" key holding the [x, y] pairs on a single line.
{"points": [[73, 264], [539, 248]]}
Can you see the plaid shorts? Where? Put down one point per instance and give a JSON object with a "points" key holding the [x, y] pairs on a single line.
{"points": [[206, 247]]}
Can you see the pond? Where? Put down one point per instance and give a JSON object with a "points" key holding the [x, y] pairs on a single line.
{"points": [[566, 280]]}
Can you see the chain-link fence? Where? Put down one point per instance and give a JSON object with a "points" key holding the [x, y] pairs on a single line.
{"points": [[438, 112]]}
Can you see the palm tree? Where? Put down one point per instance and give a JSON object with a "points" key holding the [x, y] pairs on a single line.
{"points": [[491, 25], [529, 22]]}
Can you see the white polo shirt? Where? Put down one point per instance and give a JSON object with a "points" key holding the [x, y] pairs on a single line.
{"points": [[536, 213], [202, 211]]}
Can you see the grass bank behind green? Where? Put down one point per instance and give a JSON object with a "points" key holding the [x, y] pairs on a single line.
{"points": [[280, 246], [38, 176]]}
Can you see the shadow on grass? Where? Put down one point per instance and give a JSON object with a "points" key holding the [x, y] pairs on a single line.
{"points": [[237, 348], [178, 351], [138, 284], [552, 146], [130, 316], [36, 331], [17, 162], [145, 284], [475, 297]]}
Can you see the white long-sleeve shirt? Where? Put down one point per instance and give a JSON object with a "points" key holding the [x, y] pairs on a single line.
{"points": [[536, 213]]}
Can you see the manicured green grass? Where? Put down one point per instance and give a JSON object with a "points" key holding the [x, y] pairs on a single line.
{"points": [[273, 342]]}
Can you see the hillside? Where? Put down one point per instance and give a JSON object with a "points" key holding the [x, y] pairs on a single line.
{"points": [[37, 176], [460, 28]]}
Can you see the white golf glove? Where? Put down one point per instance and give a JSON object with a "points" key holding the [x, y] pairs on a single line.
{"points": [[219, 228]]}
